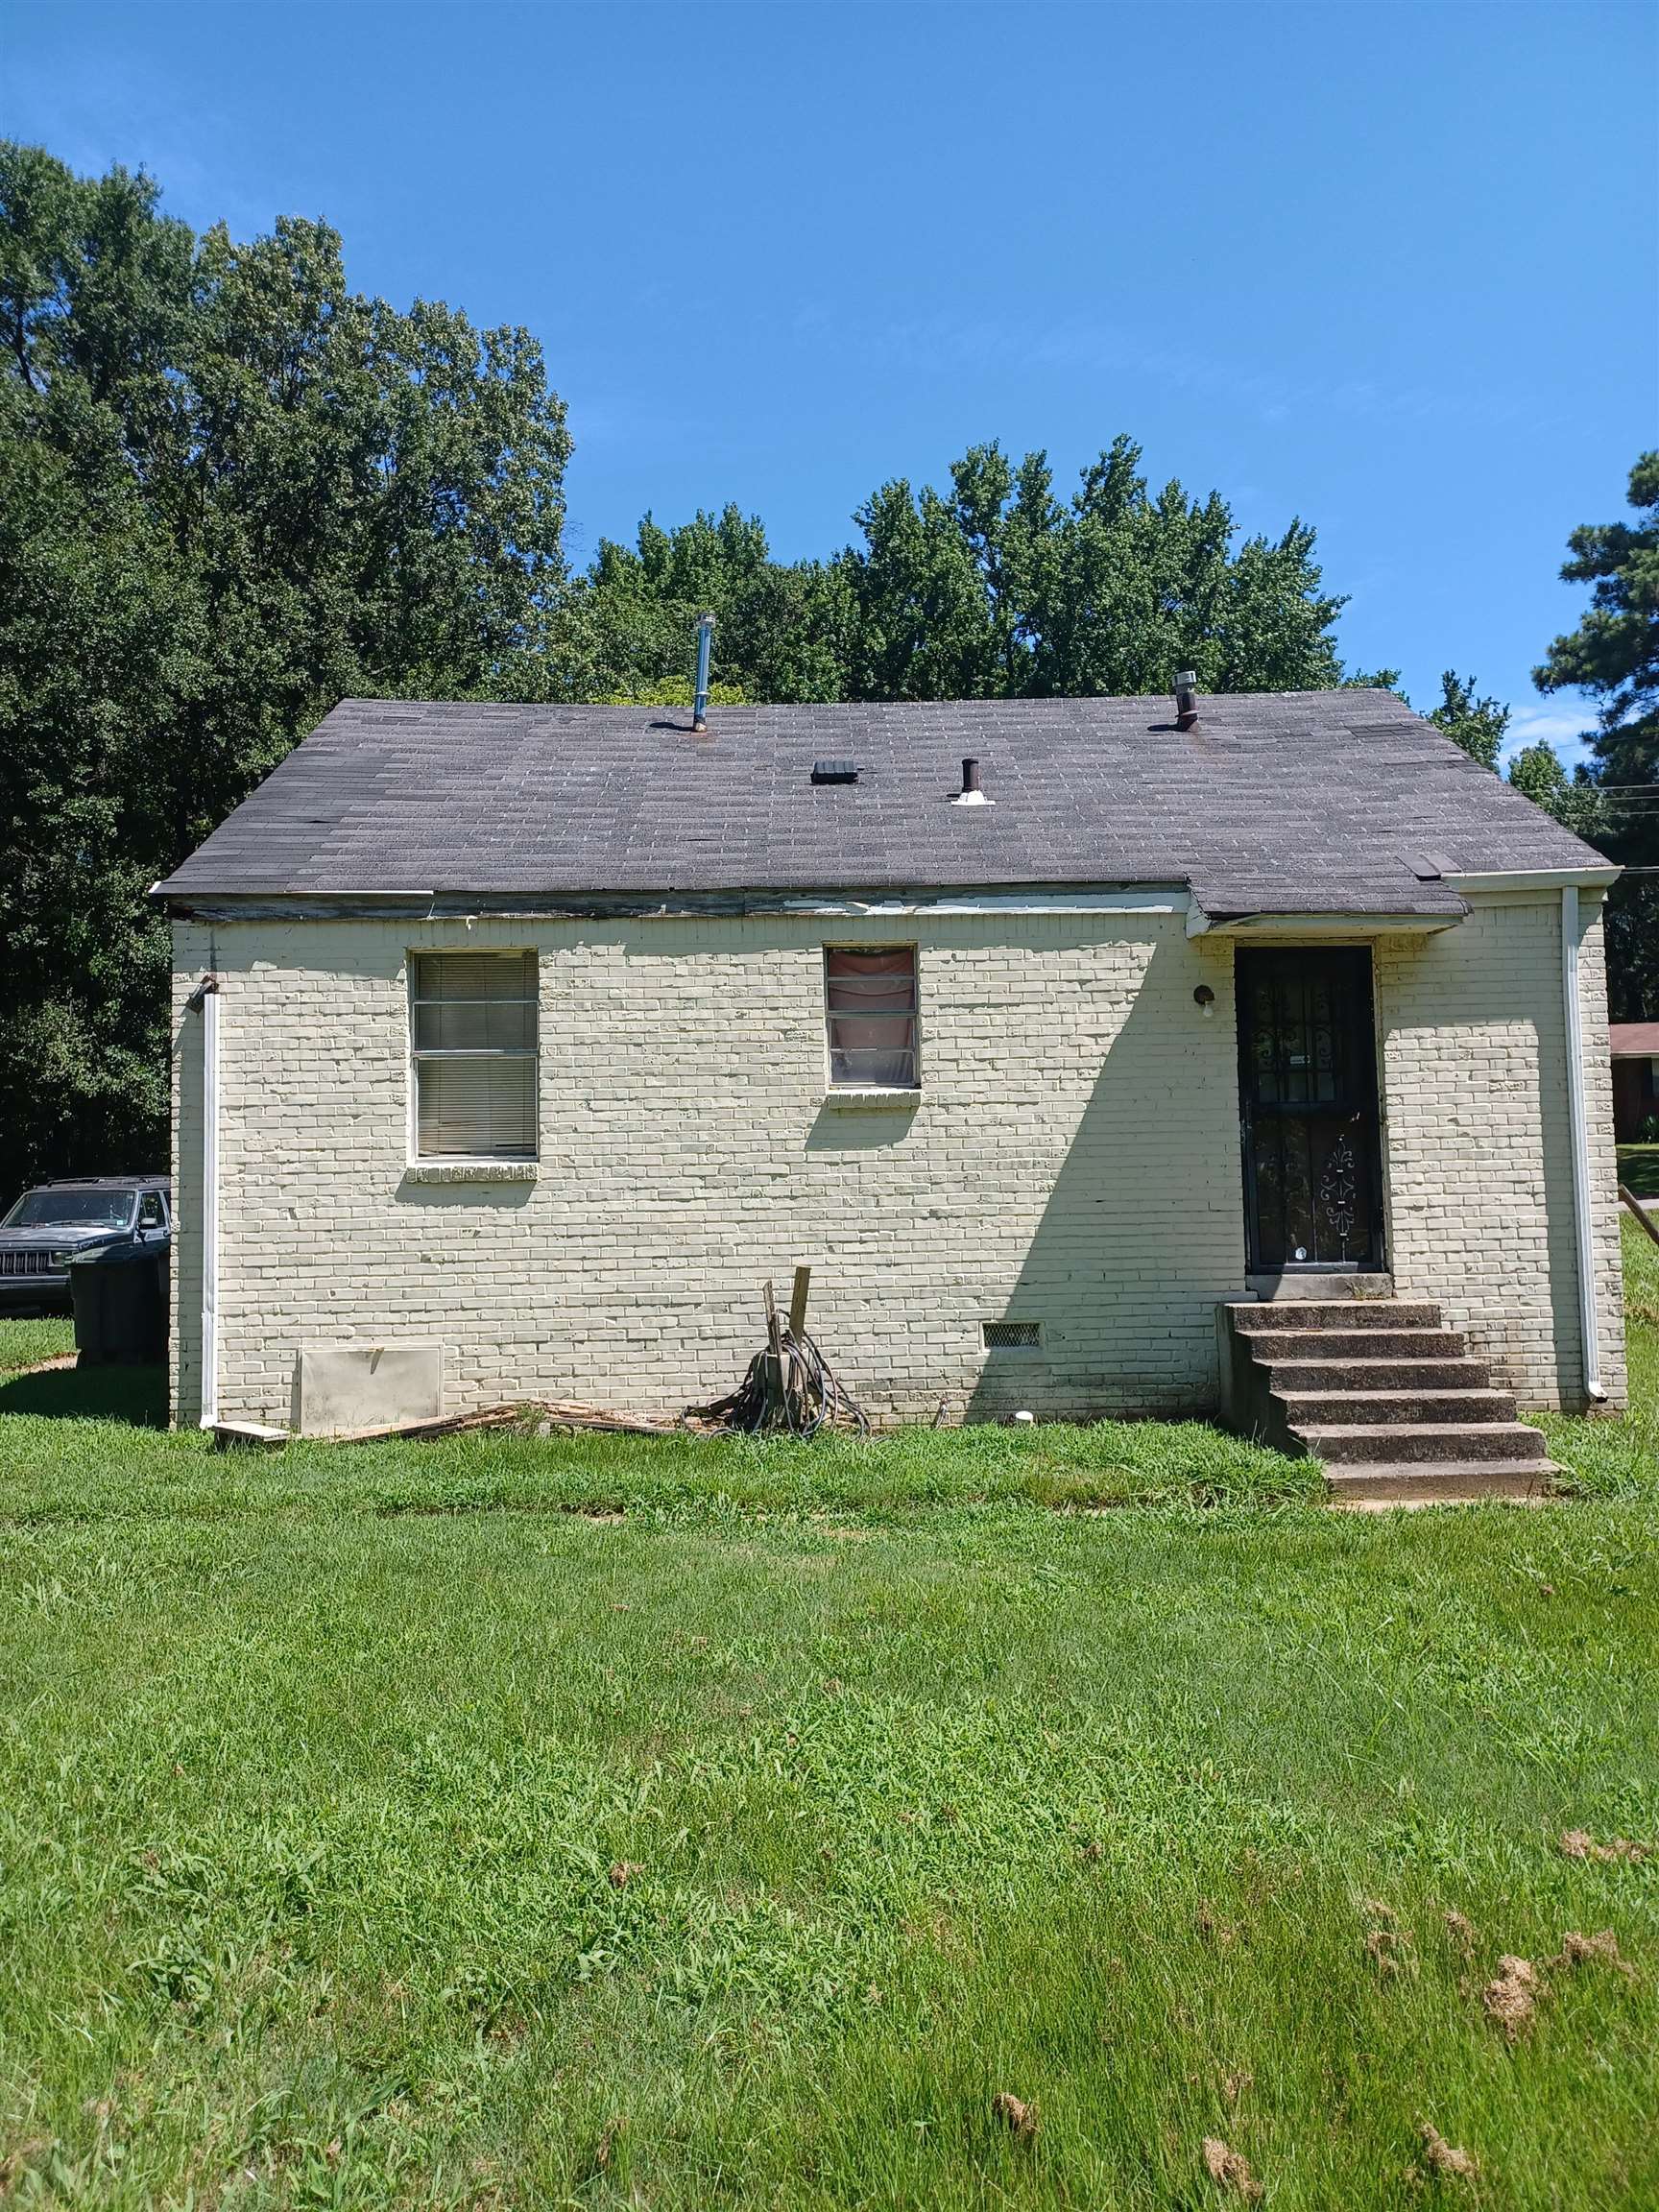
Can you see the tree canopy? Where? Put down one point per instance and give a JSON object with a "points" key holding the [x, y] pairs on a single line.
{"points": [[995, 589], [231, 492], [1614, 652], [1613, 655], [1476, 724]]}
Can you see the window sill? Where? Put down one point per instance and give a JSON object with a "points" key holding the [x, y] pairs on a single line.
{"points": [[890, 1094], [471, 1171]]}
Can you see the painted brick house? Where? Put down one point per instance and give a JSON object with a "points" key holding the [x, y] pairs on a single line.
{"points": [[516, 1046], [1634, 1049]]}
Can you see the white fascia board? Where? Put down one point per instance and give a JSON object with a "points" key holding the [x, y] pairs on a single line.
{"points": [[1535, 878]]}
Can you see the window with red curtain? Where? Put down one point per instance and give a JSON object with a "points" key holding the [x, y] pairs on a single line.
{"points": [[870, 993]]}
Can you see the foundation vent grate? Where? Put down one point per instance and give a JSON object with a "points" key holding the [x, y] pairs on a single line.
{"points": [[1011, 1335]]}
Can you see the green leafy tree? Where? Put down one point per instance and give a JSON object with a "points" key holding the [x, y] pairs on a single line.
{"points": [[1536, 771], [1613, 655], [1614, 652], [1478, 724], [231, 492], [630, 622], [924, 624], [1000, 592], [994, 589]]}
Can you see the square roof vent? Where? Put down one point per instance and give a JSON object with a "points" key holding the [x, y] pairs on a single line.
{"points": [[835, 771]]}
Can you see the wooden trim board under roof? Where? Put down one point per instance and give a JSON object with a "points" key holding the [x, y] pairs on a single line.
{"points": [[674, 906], [1320, 926]]}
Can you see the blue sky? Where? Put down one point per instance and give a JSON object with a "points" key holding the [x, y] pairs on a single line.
{"points": [[1387, 267]]}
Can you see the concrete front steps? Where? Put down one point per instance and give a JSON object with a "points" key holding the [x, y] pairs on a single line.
{"points": [[1386, 1396]]}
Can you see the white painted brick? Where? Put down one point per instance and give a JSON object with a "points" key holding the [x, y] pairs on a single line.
{"points": [[1476, 1147], [1074, 1160]]}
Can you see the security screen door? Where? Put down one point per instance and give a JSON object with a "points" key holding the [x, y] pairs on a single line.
{"points": [[1308, 1106]]}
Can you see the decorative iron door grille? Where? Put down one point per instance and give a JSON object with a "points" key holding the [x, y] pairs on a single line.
{"points": [[1308, 1100]]}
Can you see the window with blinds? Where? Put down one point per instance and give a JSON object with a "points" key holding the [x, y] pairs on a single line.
{"points": [[870, 994], [472, 1034]]}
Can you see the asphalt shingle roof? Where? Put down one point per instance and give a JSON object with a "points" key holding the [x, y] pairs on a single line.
{"points": [[1275, 803]]}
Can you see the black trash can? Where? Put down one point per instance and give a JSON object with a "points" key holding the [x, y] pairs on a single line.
{"points": [[120, 1300]]}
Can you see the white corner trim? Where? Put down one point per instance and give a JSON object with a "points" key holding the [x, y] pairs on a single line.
{"points": [[210, 1203], [1582, 1222]]}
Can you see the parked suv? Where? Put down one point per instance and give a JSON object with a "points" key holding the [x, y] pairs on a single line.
{"points": [[49, 1225]]}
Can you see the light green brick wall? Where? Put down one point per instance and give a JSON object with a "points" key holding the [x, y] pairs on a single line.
{"points": [[1479, 1167], [1074, 1160]]}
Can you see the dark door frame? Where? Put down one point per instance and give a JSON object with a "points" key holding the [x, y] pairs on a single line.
{"points": [[1358, 1103]]}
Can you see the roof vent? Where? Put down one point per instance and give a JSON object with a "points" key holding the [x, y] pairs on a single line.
{"points": [[835, 771], [973, 791], [704, 645], [1187, 700]]}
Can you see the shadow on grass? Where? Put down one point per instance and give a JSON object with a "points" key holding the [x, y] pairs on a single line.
{"points": [[135, 1395], [1639, 1169]]}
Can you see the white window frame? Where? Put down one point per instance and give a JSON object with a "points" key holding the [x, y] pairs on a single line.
{"points": [[501, 1162], [839, 1086]]}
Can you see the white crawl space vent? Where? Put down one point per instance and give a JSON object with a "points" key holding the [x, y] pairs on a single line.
{"points": [[1011, 1335]]}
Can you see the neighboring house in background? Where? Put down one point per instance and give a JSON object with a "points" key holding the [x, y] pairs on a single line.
{"points": [[516, 1046], [1634, 1046]]}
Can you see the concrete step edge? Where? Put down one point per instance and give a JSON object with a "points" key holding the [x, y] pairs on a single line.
{"points": [[1357, 1470], [1463, 1362], [1393, 1343], [1322, 1378], [1396, 1409], [1423, 1443], [1335, 1313], [1444, 1482], [1410, 1395], [1334, 1429]]}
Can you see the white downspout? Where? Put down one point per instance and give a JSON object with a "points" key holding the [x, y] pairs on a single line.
{"points": [[1583, 1220], [209, 994]]}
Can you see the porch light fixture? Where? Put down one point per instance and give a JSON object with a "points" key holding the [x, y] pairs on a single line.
{"points": [[1204, 997]]}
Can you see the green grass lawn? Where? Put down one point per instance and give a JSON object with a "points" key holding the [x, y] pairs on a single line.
{"points": [[1639, 1169], [27, 1343], [1611, 1458], [512, 1821]]}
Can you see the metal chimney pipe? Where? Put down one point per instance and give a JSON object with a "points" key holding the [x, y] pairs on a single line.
{"points": [[973, 791], [704, 645], [1185, 699]]}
